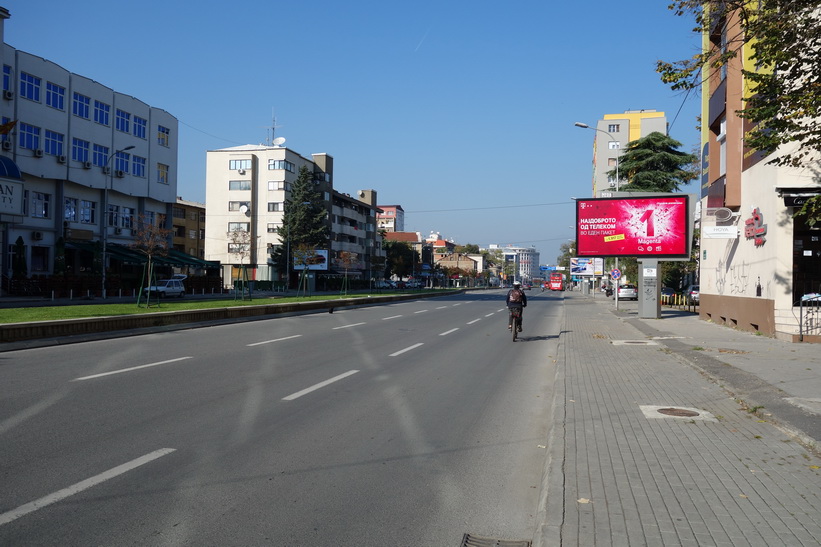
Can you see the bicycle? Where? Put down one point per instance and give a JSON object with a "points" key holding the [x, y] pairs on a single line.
{"points": [[516, 322]]}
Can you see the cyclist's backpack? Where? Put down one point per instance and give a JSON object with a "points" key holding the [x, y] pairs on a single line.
{"points": [[515, 296]]}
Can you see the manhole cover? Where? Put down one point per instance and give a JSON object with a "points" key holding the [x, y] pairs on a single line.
{"points": [[634, 343], [469, 540], [680, 412]]}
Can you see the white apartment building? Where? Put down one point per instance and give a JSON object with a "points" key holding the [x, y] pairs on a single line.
{"points": [[246, 190], [524, 259], [92, 162]]}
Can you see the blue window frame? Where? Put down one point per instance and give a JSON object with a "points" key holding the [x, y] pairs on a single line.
{"points": [[6, 78], [99, 155], [29, 136], [140, 127], [55, 96], [29, 87], [79, 149], [139, 166], [101, 112], [122, 121], [81, 105], [54, 143]]}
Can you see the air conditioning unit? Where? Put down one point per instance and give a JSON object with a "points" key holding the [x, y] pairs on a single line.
{"points": [[118, 231], [6, 145], [8, 94], [38, 153], [37, 236], [61, 159], [120, 174], [106, 170], [86, 165], [241, 171]]}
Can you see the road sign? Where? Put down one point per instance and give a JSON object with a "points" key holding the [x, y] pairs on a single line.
{"points": [[615, 273]]}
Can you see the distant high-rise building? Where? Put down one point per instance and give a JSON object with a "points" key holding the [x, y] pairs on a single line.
{"points": [[612, 134], [391, 218]]}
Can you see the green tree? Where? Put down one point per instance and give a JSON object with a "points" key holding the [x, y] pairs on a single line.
{"points": [[400, 258], [470, 248], [304, 222], [652, 164], [783, 104]]}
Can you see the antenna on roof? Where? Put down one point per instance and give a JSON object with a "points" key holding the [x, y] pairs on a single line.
{"points": [[272, 140]]}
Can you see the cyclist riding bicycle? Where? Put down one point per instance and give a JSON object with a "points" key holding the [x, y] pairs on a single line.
{"points": [[515, 299]]}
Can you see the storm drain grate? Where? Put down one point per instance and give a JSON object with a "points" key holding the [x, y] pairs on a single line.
{"points": [[469, 540]]}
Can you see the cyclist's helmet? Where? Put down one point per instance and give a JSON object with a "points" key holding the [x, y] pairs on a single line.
{"points": [[517, 283]]}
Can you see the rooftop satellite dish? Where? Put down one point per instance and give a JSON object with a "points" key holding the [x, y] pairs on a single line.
{"points": [[279, 141], [243, 209]]}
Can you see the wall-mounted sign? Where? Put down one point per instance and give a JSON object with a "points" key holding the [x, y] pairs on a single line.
{"points": [[11, 197], [755, 229], [719, 232]]}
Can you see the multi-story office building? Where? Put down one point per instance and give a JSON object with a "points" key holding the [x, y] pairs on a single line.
{"points": [[758, 263], [246, 190], [93, 163], [391, 218], [525, 261], [612, 133]]}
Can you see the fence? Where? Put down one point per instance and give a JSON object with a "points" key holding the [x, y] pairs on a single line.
{"points": [[809, 316]]}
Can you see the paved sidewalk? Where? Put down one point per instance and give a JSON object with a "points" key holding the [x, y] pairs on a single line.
{"points": [[623, 471]]}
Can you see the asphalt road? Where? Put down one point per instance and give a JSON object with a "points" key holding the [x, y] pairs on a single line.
{"points": [[405, 424]]}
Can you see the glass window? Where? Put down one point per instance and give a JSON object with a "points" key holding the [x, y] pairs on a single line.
{"points": [[237, 205], [178, 212], [122, 161], [55, 96], [29, 136], [101, 112], [99, 156], [614, 145], [233, 165], [279, 185], [281, 165], [40, 205], [113, 216], [81, 105], [123, 121], [239, 226], [140, 127], [274, 207], [54, 143], [71, 209], [29, 87], [6, 78], [239, 184], [87, 212], [39, 259], [79, 149], [613, 128], [162, 173], [138, 164], [163, 136], [127, 217]]}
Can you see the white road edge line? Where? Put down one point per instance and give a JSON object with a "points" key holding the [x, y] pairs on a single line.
{"points": [[449, 331], [474, 321], [14, 514], [401, 351], [348, 326], [320, 385], [132, 368], [272, 341]]}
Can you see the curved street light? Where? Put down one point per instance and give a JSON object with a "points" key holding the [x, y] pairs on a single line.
{"points": [[105, 218], [585, 126]]}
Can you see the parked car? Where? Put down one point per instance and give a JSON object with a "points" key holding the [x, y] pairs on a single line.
{"points": [[667, 292], [168, 287], [628, 292], [692, 294]]}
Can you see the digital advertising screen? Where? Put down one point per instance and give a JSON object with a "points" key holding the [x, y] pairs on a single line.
{"points": [[643, 227]]}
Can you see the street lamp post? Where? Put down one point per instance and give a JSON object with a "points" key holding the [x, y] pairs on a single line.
{"points": [[105, 219], [585, 126]]}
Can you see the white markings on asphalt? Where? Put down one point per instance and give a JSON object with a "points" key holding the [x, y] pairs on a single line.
{"points": [[274, 340], [401, 351], [14, 514], [320, 385], [420, 311], [474, 321], [348, 326], [488, 315], [132, 368], [458, 304], [391, 317], [449, 331], [441, 307]]}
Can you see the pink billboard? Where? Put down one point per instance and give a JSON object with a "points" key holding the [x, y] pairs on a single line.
{"points": [[642, 227]]}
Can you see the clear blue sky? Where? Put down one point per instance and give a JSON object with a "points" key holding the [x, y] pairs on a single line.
{"points": [[460, 111]]}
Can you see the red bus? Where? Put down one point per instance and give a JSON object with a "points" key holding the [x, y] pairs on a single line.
{"points": [[556, 281]]}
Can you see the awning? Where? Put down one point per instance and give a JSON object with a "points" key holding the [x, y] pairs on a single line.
{"points": [[796, 197]]}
